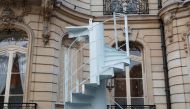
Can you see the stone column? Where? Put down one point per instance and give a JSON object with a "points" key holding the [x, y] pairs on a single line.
{"points": [[176, 42]]}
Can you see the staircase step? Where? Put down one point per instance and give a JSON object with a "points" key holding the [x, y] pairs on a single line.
{"points": [[89, 89], [114, 62], [107, 73], [81, 98], [114, 50], [81, 95], [110, 54], [91, 85], [115, 58], [69, 105], [110, 49]]}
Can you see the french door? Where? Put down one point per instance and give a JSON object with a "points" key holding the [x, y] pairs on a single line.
{"points": [[12, 74], [130, 87]]}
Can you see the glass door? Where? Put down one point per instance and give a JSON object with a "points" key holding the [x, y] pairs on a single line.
{"points": [[4, 58], [12, 75]]}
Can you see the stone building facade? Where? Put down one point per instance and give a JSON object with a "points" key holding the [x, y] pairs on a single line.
{"points": [[42, 25]]}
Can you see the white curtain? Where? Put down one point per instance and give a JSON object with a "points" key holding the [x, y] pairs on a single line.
{"points": [[70, 67], [22, 67], [3, 71]]}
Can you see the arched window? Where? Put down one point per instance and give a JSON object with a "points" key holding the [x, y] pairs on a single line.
{"points": [[13, 57], [129, 87]]}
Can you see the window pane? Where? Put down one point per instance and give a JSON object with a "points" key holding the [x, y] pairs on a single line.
{"points": [[134, 49], [15, 99], [121, 100], [136, 87], [135, 69], [1, 101], [120, 74], [3, 72], [120, 87], [137, 101], [16, 86], [13, 37], [3, 91]]}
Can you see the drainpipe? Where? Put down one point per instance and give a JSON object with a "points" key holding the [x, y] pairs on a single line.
{"points": [[165, 65]]}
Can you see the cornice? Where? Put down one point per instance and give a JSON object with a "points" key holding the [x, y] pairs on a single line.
{"points": [[132, 19], [76, 18], [72, 15], [175, 6]]}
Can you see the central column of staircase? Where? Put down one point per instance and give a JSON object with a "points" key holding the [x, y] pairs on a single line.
{"points": [[103, 61]]}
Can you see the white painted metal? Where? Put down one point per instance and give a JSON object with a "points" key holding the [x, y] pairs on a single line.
{"points": [[103, 61], [96, 40], [115, 30], [126, 35], [66, 73]]}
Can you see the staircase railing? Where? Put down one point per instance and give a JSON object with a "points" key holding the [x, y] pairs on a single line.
{"points": [[131, 107], [72, 79], [18, 105], [73, 83]]}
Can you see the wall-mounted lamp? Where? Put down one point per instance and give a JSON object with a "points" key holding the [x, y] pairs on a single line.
{"points": [[110, 84]]}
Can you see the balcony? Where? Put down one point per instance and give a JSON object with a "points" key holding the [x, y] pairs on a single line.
{"points": [[18, 106], [125, 6], [131, 107]]}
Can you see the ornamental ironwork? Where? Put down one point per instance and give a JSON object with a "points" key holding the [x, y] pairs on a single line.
{"points": [[18, 106], [131, 107], [125, 6]]}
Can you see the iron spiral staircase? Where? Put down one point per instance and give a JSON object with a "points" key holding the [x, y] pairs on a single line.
{"points": [[104, 60]]}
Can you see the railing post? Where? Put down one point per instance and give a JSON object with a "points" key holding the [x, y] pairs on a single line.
{"points": [[126, 34], [115, 30]]}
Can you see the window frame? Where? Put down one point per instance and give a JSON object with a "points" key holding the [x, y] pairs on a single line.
{"points": [[10, 50], [127, 78]]}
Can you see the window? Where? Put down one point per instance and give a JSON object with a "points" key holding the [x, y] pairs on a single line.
{"points": [[13, 56], [129, 87], [69, 74]]}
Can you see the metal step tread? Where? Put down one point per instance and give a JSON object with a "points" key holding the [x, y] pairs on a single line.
{"points": [[81, 95], [77, 104], [91, 85], [115, 59]]}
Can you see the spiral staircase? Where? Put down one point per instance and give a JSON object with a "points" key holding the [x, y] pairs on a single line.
{"points": [[104, 60]]}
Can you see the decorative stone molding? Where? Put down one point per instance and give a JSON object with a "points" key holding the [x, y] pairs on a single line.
{"points": [[169, 27], [186, 38], [188, 27], [23, 5], [8, 18], [47, 8]]}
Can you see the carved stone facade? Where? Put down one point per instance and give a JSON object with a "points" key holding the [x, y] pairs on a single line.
{"points": [[45, 23], [169, 27], [47, 9], [177, 51]]}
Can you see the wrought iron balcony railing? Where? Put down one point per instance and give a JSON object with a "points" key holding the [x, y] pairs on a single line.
{"points": [[126, 7], [131, 107], [18, 106]]}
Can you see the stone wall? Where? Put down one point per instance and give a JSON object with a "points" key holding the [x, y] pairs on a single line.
{"points": [[176, 20], [95, 7]]}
